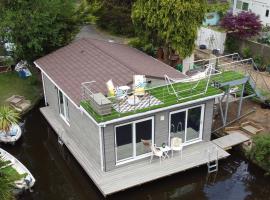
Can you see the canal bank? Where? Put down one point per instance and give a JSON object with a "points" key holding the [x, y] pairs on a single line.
{"points": [[59, 176]]}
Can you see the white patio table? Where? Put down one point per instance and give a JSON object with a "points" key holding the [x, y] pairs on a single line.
{"points": [[165, 150]]}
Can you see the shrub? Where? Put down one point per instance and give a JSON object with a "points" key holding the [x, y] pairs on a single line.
{"points": [[231, 45], [260, 151], [247, 52]]}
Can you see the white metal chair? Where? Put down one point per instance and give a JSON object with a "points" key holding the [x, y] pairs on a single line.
{"points": [[176, 145], [156, 152], [139, 85]]}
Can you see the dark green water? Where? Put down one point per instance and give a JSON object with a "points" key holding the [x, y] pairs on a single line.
{"points": [[59, 177]]}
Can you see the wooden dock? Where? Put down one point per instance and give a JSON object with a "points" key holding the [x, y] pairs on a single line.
{"points": [[228, 141], [137, 173]]}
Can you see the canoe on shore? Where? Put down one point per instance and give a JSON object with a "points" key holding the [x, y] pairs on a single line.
{"points": [[26, 180], [12, 136]]}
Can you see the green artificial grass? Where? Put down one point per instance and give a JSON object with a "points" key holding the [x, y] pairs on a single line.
{"points": [[12, 84], [169, 98]]}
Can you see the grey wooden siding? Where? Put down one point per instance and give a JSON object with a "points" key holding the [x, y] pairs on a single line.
{"points": [[161, 133], [86, 131]]}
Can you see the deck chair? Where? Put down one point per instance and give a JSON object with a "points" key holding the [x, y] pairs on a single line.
{"points": [[156, 152], [177, 145], [115, 92], [111, 88], [139, 85]]}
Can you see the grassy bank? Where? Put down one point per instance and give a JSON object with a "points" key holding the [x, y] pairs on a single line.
{"points": [[12, 84]]}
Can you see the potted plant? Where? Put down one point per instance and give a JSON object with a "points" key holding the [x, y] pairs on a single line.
{"points": [[9, 125]]}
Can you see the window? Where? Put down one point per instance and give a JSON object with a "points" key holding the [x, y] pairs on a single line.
{"points": [[63, 106], [187, 124], [132, 139], [267, 13], [245, 6], [242, 5]]}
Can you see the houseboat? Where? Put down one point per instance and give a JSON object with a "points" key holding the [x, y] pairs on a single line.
{"points": [[128, 118]]}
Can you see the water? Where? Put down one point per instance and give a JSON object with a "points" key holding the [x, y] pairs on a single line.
{"points": [[59, 177]]}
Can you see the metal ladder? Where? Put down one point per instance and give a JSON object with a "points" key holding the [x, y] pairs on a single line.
{"points": [[212, 165]]}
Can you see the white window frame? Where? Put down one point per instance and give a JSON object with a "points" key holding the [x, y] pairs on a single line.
{"points": [[199, 139], [134, 156], [65, 114]]}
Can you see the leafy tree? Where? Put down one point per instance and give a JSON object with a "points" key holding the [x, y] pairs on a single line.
{"points": [[242, 25], [260, 151], [172, 24], [8, 117], [37, 27], [115, 16], [87, 10]]}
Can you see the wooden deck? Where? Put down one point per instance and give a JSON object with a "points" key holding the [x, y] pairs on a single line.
{"points": [[139, 172], [228, 141]]}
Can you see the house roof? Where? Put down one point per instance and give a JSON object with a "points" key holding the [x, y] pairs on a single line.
{"points": [[95, 60]]}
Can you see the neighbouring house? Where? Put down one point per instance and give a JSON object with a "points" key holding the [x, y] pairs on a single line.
{"points": [[261, 8], [112, 106]]}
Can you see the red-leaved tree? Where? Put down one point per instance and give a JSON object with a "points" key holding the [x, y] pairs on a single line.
{"points": [[242, 25]]}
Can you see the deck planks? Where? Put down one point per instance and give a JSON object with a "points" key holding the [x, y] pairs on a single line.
{"points": [[230, 140], [136, 173]]}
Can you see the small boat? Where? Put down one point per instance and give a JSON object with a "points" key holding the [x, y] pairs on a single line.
{"points": [[12, 136], [27, 180]]}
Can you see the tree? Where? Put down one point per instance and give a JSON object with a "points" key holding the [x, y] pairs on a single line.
{"points": [[8, 117], [115, 16], [87, 10], [242, 25], [37, 27], [172, 24]]}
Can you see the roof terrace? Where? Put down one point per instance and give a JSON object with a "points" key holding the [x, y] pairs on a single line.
{"points": [[104, 109]]}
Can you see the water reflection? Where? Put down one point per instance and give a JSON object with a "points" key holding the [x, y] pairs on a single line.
{"points": [[59, 176]]}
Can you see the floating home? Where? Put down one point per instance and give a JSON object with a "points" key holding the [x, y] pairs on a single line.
{"points": [[116, 108]]}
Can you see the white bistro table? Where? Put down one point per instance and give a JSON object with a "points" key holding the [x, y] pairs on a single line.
{"points": [[165, 150]]}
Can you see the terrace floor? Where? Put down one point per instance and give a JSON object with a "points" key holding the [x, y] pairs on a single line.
{"points": [[162, 97], [136, 173]]}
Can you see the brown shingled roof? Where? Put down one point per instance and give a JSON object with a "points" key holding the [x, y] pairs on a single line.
{"points": [[95, 60]]}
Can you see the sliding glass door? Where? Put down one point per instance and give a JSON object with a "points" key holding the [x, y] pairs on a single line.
{"points": [[178, 124], [187, 124], [132, 140], [124, 137], [194, 124], [143, 134]]}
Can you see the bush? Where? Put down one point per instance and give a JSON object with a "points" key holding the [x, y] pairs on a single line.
{"points": [[260, 151], [247, 53], [231, 45]]}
